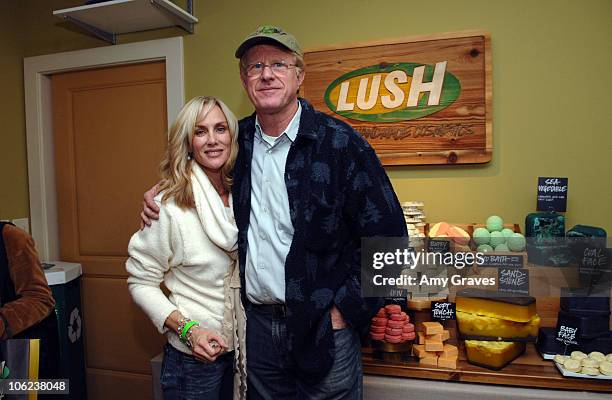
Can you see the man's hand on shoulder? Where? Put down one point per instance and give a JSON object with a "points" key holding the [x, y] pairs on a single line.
{"points": [[150, 209]]}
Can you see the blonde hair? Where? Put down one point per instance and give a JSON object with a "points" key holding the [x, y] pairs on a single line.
{"points": [[176, 166]]}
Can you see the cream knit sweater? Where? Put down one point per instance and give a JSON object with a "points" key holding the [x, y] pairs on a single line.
{"points": [[192, 252]]}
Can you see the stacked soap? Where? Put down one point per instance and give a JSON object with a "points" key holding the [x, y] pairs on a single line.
{"points": [[432, 350], [392, 325], [415, 221], [587, 311], [496, 328], [483, 315]]}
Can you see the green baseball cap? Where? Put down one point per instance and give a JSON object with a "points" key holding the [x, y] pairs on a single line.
{"points": [[269, 34]]}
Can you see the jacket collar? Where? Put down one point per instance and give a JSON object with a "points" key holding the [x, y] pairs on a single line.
{"points": [[308, 128]]}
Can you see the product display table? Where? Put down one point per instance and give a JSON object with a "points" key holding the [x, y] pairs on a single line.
{"points": [[529, 370], [376, 387]]}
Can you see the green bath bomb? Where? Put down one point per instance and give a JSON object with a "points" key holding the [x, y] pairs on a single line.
{"points": [[507, 232], [481, 236], [496, 239], [516, 242], [495, 223], [502, 247], [484, 248]]}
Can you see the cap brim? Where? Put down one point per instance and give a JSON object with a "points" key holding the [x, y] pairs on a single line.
{"points": [[247, 44]]}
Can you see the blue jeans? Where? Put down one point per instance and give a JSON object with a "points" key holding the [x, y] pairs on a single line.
{"points": [[183, 377], [273, 375]]}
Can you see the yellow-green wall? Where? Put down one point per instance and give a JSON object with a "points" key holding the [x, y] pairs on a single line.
{"points": [[13, 161], [551, 85]]}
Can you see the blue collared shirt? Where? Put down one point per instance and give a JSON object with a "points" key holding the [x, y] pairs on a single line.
{"points": [[270, 229]]}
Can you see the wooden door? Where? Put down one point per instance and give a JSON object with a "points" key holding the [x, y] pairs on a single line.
{"points": [[110, 133]]}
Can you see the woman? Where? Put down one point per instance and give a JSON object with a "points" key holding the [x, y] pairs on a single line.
{"points": [[192, 250]]}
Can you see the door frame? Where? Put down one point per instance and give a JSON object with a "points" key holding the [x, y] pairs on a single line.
{"points": [[37, 73]]}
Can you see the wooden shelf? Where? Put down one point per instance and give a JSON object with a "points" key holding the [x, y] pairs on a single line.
{"points": [[108, 19], [529, 370]]}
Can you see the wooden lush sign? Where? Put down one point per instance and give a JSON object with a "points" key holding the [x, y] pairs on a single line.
{"points": [[423, 100]]}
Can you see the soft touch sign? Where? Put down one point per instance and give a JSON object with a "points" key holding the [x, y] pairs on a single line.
{"points": [[424, 100], [393, 92]]}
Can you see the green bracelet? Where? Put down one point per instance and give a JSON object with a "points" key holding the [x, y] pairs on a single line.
{"points": [[188, 325]]}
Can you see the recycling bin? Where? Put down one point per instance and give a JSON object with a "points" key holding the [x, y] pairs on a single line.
{"points": [[64, 279]]}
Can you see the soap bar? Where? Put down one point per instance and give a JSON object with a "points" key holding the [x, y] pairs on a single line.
{"points": [[544, 225], [431, 328], [437, 337], [449, 351], [555, 254], [479, 325], [584, 231], [418, 350], [447, 362], [419, 303], [602, 344], [589, 326], [548, 343], [429, 360], [578, 300], [433, 346], [493, 355], [487, 303]]}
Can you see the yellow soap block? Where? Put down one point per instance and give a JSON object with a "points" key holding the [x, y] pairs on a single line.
{"points": [[494, 355], [472, 324], [450, 362], [431, 328], [449, 351], [433, 345], [418, 350], [483, 302], [445, 335], [421, 337], [429, 360]]}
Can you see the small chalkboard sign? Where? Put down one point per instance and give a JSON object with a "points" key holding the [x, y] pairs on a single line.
{"points": [[513, 280], [594, 259], [443, 311], [568, 335], [438, 246], [552, 194], [502, 260], [397, 294]]}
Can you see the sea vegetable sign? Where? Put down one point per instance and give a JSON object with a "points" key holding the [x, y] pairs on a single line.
{"points": [[424, 100]]}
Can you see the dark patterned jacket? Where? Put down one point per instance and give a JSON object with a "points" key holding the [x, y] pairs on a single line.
{"points": [[338, 193]]}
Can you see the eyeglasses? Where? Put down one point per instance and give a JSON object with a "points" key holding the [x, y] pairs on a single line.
{"points": [[278, 68]]}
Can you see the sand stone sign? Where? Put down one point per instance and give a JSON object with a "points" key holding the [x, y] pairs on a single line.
{"points": [[423, 100]]}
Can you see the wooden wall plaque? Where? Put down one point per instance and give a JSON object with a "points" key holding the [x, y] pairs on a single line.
{"points": [[423, 100]]}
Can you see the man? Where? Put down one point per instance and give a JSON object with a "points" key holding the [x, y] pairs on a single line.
{"points": [[307, 188], [26, 310]]}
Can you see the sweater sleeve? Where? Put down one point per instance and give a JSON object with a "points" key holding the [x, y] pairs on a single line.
{"points": [[153, 252], [372, 209], [34, 301]]}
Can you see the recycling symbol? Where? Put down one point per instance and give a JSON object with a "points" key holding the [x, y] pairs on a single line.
{"points": [[74, 326]]}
